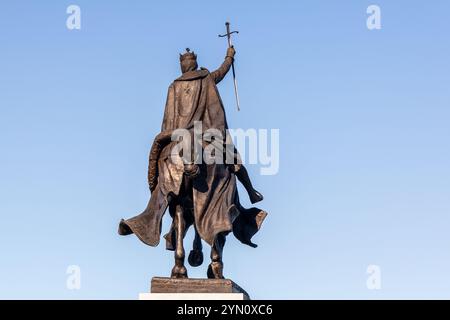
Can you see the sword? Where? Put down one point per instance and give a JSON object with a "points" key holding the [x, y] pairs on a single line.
{"points": [[228, 35]]}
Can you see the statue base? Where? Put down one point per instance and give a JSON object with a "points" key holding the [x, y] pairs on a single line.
{"points": [[194, 289]]}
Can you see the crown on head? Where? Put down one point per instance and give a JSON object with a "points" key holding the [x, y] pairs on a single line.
{"points": [[188, 55]]}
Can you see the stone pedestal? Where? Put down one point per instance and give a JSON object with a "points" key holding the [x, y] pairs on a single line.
{"points": [[194, 289]]}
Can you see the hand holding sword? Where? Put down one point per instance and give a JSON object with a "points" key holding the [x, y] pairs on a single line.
{"points": [[231, 48]]}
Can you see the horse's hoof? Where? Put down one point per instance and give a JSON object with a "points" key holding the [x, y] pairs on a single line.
{"points": [[195, 258], [215, 270], [255, 196], [179, 272]]}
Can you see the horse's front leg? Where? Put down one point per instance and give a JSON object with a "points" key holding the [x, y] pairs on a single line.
{"points": [[179, 270], [215, 269]]}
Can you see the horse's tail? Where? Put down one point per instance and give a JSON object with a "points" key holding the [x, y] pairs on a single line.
{"points": [[195, 258]]}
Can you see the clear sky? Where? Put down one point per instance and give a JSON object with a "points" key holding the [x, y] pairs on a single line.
{"points": [[364, 174]]}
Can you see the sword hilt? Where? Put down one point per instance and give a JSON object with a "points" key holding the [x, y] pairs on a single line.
{"points": [[228, 34]]}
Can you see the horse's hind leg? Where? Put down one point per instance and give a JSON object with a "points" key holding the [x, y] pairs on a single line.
{"points": [[215, 269], [179, 270]]}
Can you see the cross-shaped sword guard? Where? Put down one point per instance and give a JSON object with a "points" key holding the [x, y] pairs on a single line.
{"points": [[228, 34]]}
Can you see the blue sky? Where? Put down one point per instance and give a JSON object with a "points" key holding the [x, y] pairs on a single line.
{"points": [[363, 115]]}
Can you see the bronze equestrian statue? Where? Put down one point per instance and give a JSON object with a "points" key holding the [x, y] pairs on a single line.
{"points": [[198, 194]]}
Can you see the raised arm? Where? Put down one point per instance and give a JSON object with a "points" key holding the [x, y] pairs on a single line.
{"points": [[220, 73]]}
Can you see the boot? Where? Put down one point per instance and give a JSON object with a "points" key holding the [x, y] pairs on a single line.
{"points": [[243, 177]]}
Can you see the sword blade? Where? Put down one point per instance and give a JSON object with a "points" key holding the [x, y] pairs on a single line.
{"points": [[228, 35], [235, 87]]}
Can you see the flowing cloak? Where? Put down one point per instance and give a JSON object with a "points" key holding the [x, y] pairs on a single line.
{"points": [[216, 208]]}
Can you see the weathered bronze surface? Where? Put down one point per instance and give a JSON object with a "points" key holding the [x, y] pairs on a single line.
{"points": [[197, 194]]}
